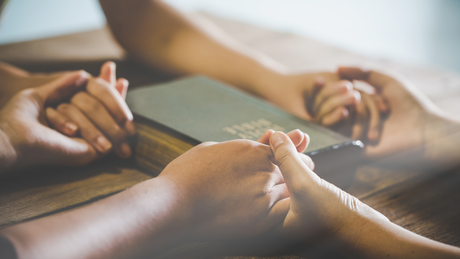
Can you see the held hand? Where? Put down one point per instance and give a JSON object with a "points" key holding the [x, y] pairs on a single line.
{"points": [[230, 189], [298, 138], [317, 208], [327, 100], [295, 92], [32, 142], [333, 101], [99, 114], [410, 111]]}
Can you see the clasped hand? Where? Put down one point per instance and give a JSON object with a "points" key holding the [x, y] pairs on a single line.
{"points": [[94, 122]]}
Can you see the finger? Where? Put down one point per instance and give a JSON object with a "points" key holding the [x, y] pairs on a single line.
{"points": [[364, 87], [295, 172], [297, 137], [108, 72], [359, 126], [62, 88], [300, 139], [122, 87], [277, 213], [349, 98], [114, 102], [87, 130], [331, 89], [374, 117], [350, 73], [62, 150], [101, 118], [60, 122], [277, 193], [308, 161], [311, 94], [265, 138], [334, 117], [383, 107]]}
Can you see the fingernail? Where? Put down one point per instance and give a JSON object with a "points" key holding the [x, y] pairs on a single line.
{"points": [[103, 144], [71, 127], [125, 151], [348, 85], [277, 138], [357, 96], [82, 79], [345, 113], [129, 126], [129, 115], [295, 130]]}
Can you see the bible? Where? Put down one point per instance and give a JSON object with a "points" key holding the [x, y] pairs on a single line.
{"points": [[173, 117]]}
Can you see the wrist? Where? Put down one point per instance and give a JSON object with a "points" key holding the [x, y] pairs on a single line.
{"points": [[358, 235], [8, 154], [441, 136], [267, 82], [162, 204]]}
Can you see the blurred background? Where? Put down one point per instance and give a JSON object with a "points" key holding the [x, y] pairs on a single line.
{"points": [[419, 32]]}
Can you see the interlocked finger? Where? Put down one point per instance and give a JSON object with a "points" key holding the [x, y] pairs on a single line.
{"points": [[87, 130]]}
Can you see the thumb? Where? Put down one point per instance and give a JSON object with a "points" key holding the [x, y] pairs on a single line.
{"points": [[296, 174], [62, 87]]}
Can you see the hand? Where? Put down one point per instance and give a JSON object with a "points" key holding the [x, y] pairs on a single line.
{"points": [[327, 100], [411, 114], [99, 114], [317, 208], [294, 92], [231, 189], [30, 140], [333, 101]]}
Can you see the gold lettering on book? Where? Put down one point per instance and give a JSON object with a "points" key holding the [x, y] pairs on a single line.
{"points": [[253, 129]]}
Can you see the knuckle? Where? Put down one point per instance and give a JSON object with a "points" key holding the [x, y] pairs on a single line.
{"points": [[98, 86], [86, 102], [282, 155], [118, 134], [64, 107]]}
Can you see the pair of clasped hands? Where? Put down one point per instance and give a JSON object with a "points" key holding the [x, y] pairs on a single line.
{"points": [[249, 186]]}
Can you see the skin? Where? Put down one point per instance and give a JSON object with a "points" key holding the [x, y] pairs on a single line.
{"points": [[215, 190], [187, 47], [105, 127], [189, 208], [320, 209], [415, 127], [202, 195]]}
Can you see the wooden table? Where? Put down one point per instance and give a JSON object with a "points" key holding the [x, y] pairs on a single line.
{"points": [[427, 203]]}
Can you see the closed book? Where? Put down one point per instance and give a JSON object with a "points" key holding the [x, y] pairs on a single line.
{"points": [[173, 117]]}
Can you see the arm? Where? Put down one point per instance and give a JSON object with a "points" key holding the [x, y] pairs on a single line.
{"points": [[148, 215], [201, 195], [163, 38], [318, 207]]}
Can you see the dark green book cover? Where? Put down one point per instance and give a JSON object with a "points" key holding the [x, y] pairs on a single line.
{"points": [[208, 110]]}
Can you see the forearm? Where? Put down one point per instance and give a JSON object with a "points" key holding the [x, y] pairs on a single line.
{"points": [[144, 217], [163, 38], [384, 239], [442, 140]]}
